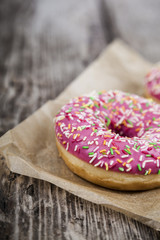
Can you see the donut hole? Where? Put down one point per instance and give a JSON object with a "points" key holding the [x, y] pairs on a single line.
{"points": [[122, 130]]}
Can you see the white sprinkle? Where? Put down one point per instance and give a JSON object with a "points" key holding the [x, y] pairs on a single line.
{"points": [[135, 150], [111, 162], [102, 164], [109, 143], [116, 136], [96, 149], [67, 146], [96, 143], [146, 161], [128, 167], [78, 120], [75, 149], [92, 133], [124, 156], [97, 164], [84, 138], [100, 157], [140, 159], [90, 142], [93, 158], [157, 162], [75, 136]]}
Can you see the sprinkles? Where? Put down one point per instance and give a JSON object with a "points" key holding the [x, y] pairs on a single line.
{"points": [[114, 131]]}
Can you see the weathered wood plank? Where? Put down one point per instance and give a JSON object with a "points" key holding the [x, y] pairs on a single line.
{"points": [[137, 23], [46, 44]]}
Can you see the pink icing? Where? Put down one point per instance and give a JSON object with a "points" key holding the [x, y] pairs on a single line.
{"points": [[112, 130], [153, 83]]}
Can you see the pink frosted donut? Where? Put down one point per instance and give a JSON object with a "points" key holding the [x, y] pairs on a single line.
{"points": [[152, 84], [111, 139]]}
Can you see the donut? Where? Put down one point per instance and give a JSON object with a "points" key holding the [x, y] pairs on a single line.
{"points": [[152, 84], [111, 139]]}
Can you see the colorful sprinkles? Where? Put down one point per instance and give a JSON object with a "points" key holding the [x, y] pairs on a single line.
{"points": [[112, 130]]}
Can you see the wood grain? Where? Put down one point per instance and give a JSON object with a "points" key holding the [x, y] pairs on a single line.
{"points": [[44, 46]]}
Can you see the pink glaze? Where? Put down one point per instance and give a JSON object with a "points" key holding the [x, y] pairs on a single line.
{"points": [[112, 130], [153, 83]]}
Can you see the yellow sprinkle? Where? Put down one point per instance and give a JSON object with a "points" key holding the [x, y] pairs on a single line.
{"points": [[158, 157], [69, 126], [149, 171], [117, 152], [64, 142], [72, 130], [103, 150], [130, 160], [104, 143], [107, 136], [106, 166], [118, 160], [114, 148], [124, 164]]}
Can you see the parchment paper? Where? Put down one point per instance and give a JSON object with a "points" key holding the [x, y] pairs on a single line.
{"points": [[30, 147]]}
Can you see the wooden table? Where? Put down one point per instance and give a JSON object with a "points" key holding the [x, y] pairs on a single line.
{"points": [[44, 45]]}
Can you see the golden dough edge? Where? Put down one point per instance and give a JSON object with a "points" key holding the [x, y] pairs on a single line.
{"points": [[108, 179]]}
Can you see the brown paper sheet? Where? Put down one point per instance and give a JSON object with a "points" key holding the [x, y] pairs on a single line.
{"points": [[30, 147]]}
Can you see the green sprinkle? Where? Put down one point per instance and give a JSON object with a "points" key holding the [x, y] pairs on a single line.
{"points": [[70, 108], [148, 155], [111, 150], [147, 104], [146, 172], [152, 143], [122, 101], [147, 128], [139, 167], [138, 147], [159, 171], [85, 147], [155, 147], [108, 121], [90, 153], [135, 145], [129, 122], [153, 118], [104, 106], [113, 110], [158, 125], [95, 130], [96, 105], [141, 110], [96, 116], [83, 127], [121, 169], [158, 146], [81, 110], [100, 93], [92, 98], [68, 111], [93, 124], [111, 100], [82, 107], [130, 104], [127, 146], [127, 151]]}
